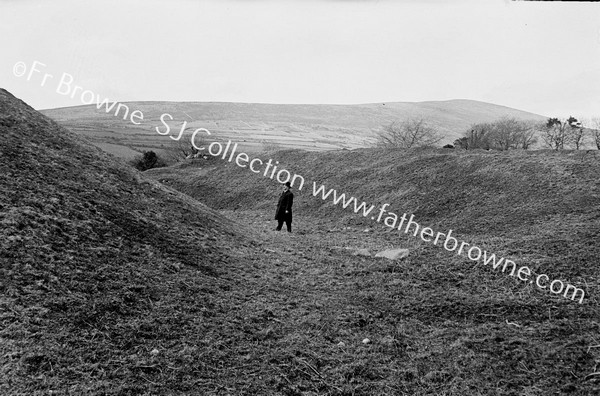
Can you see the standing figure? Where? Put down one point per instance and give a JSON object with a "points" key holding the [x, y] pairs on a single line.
{"points": [[284, 208]]}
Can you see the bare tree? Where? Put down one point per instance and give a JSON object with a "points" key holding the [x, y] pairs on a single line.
{"points": [[528, 137], [554, 133], [577, 136], [478, 136], [576, 133], [510, 133], [504, 134], [559, 134], [475, 137], [409, 133]]}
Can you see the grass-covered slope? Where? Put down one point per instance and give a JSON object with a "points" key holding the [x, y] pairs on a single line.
{"points": [[98, 266], [112, 284], [476, 330], [501, 194], [541, 209]]}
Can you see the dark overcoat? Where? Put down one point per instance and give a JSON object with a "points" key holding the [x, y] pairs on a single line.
{"points": [[286, 200]]}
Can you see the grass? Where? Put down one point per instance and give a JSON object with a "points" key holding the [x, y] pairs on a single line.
{"points": [[115, 284], [537, 208]]}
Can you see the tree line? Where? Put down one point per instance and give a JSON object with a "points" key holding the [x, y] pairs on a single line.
{"points": [[506, 133]]}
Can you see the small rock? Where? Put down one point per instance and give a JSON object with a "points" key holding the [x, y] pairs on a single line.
{"points": [[341, 344], [154, 352], [393, 254], [367, 230], [366, 341]]}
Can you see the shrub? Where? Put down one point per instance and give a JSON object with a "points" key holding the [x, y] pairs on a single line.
{"points": [[147, 161], [410, 133]]}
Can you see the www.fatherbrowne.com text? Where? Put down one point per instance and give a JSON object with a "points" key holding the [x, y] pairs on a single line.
{"points": [[390, 219], [408, 224]]}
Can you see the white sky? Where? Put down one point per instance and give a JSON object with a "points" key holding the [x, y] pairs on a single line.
{"points": [[542, 57]]}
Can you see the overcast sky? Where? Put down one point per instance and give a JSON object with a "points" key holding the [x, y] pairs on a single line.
{"points": [[542, 57]]}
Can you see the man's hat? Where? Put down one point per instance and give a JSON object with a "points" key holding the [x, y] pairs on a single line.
{"points": [[288, 184]]}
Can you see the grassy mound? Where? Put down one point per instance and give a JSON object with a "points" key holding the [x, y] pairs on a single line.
{"points": [[98, 266], [541, 208], [538, 208], [114, 284]]}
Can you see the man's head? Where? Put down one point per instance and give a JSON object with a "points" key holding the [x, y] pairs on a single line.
{"points": [[287, 186]]}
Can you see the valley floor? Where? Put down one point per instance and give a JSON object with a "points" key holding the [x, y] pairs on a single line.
{"points": [[320, 320], [299, 314]]}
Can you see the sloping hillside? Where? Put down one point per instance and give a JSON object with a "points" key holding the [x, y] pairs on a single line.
{"points": [[543, 206], [475, 193], [540, 209], [99, 266], [255, 126], [114, 284]]}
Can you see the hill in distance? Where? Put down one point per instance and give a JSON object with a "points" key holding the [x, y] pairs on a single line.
{"points": [[259, 126], [114, 282]]}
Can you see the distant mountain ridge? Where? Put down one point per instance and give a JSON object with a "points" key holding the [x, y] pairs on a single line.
{"points": [[313, 127]]}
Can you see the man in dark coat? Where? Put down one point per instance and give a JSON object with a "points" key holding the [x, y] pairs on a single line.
{"points": [[284, 208]]}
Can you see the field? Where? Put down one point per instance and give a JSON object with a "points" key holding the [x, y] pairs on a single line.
{"points": [[439, 323], [257, 127], [173, 282]]}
